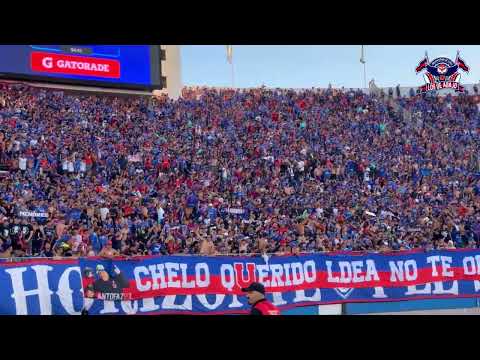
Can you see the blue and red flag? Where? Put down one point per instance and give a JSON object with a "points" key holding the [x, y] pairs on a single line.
{"points": [[461, 64], [422, 65]]}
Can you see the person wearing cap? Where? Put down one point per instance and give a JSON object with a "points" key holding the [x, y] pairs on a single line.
{"points": [[88, 278], [256, 298]]}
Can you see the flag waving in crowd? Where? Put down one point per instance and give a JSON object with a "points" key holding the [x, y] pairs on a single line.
{"points": [[461, 63]]}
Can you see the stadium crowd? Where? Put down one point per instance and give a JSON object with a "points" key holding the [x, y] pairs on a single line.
{"points": [[236, 172]]}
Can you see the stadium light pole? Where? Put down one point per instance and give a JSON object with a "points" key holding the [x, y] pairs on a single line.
{"points": [[362, 60], [230, 61]]}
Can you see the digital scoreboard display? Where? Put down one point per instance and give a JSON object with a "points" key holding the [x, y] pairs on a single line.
{"points": [[117, 66]]}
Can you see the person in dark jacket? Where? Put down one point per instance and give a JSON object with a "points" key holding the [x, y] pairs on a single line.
{"points": [[106, 286], [256, 298]]}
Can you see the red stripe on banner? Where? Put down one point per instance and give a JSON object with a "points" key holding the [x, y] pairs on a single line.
{"points": [[321, 281]]}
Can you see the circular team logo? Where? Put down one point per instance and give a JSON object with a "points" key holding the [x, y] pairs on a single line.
{"points": [[442, 73]]}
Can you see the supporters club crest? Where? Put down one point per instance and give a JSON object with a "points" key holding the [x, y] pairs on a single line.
{"points": [[344, 292], [442, 73]]}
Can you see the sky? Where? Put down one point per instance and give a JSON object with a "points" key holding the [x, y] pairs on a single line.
{"points": [[299, 66]]}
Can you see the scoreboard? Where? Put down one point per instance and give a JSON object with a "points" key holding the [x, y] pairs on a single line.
{"points": [[116, 66]]}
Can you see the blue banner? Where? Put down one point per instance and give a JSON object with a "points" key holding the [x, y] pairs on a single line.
{"points": [[45, 286], [152, 276]]}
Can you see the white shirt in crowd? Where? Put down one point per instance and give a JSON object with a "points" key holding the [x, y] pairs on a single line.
{"points": [[301, 166], [103, 213], [65, 165], [224, 174], [83, 166], [22, 163], [70, 167], [366, 176], [160, 213], [77, 240]]}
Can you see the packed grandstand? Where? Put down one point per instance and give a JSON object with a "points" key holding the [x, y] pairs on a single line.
{"points": [[222, 171]]}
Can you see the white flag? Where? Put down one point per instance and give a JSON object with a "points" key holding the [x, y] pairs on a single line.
{"points": [[362, 57], [229, 53]]}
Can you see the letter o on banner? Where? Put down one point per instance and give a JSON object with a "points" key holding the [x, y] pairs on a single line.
{"points": [[198, 276], [65, 292], [469, 267], [218, 301], [230, 283], [309, 271], [411, 272]]}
